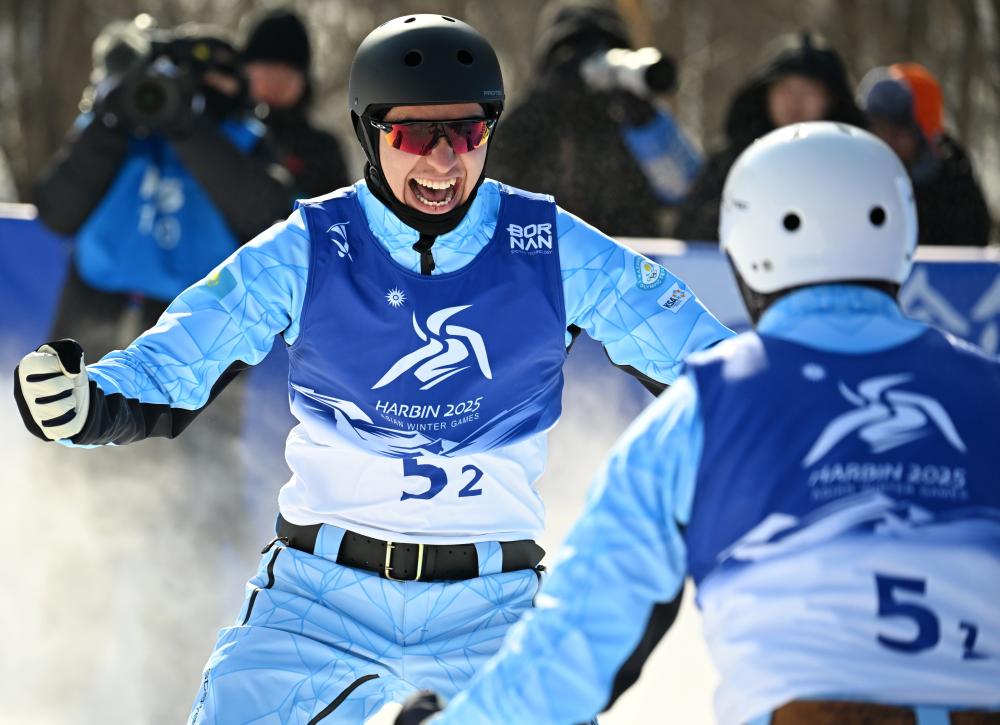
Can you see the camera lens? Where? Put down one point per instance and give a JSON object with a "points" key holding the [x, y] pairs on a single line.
{"points": [[149, 98], [661, 76]]}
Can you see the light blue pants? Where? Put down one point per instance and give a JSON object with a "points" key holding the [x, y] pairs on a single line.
{"points": [[320, 642]]}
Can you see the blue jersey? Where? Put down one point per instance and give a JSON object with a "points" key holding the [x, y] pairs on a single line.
{"points": [[410, 364], [156, 231], [830, 484], [384, 362], [872, 436]]}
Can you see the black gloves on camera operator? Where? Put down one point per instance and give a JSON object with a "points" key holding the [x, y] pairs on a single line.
{"points": [[178, 85], [158, 82]]}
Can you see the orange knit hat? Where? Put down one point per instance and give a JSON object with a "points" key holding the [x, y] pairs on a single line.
{"points": [[928, 101]]}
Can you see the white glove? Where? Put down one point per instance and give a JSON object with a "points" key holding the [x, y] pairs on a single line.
{"points": [[55, 388]]}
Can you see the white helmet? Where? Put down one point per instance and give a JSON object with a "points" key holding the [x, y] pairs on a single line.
{"points": [[818, 202]]}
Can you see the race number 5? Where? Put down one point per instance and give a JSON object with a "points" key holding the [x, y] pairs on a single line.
{"points": [[438, 478], [928, 626]]}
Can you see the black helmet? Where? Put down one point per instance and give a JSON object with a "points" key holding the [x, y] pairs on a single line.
{"points": [[418, 60]]}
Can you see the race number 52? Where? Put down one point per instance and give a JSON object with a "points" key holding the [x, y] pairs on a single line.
{"points": [[438, 478], [905, 597]]}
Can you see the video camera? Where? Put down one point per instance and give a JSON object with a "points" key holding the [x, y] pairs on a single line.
{"points": [[154, 76], [645, 72]]}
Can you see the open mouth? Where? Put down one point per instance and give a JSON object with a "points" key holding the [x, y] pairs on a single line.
{"points": [[435, 194]]}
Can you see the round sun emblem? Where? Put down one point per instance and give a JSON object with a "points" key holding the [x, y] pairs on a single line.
{"points": [[395, 297], [813, 372]]}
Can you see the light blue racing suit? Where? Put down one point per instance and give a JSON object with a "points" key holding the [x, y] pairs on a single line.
{"points": [[829, 481], [319, 640]]}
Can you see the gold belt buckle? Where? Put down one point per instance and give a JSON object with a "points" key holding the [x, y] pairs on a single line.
{"points": [[389, 546]]}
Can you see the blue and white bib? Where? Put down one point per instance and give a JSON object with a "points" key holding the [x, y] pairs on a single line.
{"points": [[413, 391], [845, 531]]}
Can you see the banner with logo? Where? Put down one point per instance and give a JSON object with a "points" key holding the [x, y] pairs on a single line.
{"points": [[954, 288], [957, 289]]}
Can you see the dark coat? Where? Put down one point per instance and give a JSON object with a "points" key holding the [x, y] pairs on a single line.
{"points": [[313, 157], [246, 188], [951, 209], [565, 139]]}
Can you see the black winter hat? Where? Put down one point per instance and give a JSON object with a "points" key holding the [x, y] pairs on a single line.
{"points": [[581, 25], [278, 35], [805, 54]]}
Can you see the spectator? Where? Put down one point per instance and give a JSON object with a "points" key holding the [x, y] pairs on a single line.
{"points": [[905, 106], [802, 79], [160, 181], [155, 201], [601, 150], [276, 53]]}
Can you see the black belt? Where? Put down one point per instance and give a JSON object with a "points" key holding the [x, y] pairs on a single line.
{"points": [[411, 562], [837, 712]]}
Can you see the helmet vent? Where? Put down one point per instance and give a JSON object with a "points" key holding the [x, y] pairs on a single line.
{"points": [[409, 20], [791, 222], [464, 57], [877, 216], [413, 58], [450, 20]]}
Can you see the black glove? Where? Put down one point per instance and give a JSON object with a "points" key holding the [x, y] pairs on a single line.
{"points": [[629, 109], [419, 708], [104, 101]]}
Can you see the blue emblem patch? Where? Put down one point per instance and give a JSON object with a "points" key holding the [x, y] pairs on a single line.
{"points": [[648, 275]]}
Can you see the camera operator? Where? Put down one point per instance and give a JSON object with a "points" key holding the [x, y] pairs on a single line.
{"points": [[163, 176], [590, 132]]}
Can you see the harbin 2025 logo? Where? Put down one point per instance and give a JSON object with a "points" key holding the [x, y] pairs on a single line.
{"points": [[446, 347]]}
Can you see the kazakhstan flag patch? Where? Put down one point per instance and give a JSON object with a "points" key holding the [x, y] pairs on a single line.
{"points": [[220, 283]]}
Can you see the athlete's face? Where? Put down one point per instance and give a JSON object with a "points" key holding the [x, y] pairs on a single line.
{"points": [[441, 180]]}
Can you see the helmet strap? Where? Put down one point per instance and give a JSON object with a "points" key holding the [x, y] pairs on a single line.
{"points": [[757, 303]]}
